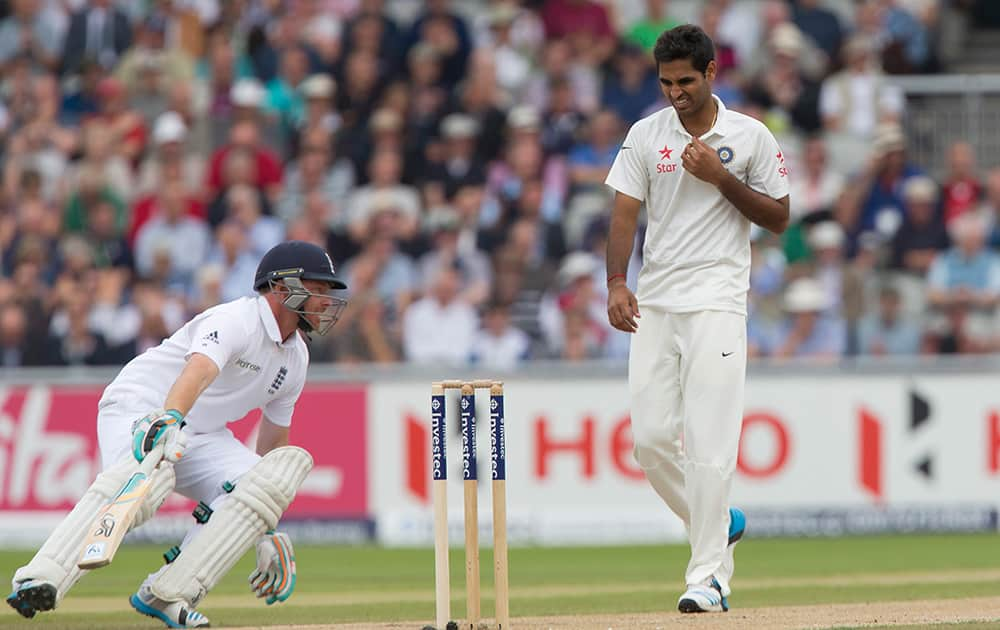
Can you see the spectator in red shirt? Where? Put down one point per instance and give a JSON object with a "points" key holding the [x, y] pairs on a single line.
{"points": [[585, 23], [962, 188], [245, 135]]}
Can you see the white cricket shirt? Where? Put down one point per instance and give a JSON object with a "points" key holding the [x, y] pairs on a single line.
{"points": [[256, 369], [697, 251]]}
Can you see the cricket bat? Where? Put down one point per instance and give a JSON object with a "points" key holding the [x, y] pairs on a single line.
{"points": [[115, 519]]}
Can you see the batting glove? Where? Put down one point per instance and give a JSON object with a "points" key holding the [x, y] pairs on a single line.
{"points": [[159, 427], [274, 577]]}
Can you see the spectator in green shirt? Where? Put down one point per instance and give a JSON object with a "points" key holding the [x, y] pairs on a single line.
{"points": [[644, 32]]}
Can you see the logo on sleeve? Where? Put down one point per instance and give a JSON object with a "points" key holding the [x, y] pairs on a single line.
{"points": [[278, 381], [212, 336], [782, 170]]}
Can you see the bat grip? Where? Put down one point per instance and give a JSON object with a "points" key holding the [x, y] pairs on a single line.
{"points": [[152, 459]]}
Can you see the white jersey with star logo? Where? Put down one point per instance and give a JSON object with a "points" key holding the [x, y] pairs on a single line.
{"points": [[256, 369], [697, 251]]}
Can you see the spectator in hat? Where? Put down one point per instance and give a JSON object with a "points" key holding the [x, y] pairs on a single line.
{"points": [[170, 152], [461, 165], [923, 235], [807, 332], [826, 239], [874, 201], [385, 189], [100, 32], [573, 313], [888, 332], [318, 91], [92, 189], [784, 81], [513, 63]]}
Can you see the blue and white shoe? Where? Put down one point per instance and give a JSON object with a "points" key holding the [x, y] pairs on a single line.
{"points": [[32, 596], [174, 614], [704, 597], [737, 525]]}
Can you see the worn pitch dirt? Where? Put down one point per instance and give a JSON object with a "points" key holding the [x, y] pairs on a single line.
{"points": [[876, 614]]}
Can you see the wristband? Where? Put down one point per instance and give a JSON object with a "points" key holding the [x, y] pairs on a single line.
{"points": [[615, 275]]}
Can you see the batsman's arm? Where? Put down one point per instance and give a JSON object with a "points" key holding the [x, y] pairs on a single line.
{"points": [[194, 379], [270, 436]]}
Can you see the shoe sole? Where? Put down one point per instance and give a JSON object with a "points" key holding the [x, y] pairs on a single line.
{"points": [[33, 599], [691, 606], [149, 611]]}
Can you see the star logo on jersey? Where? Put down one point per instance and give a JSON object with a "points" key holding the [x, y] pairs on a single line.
{"points": [[212, 336], [665, 153]]}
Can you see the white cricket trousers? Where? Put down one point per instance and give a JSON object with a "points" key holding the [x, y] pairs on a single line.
{"points": [[210, 459], [686, 376]]}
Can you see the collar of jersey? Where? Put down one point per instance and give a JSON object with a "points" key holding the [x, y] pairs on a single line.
{"points": [[270, 323], [721, 123]]}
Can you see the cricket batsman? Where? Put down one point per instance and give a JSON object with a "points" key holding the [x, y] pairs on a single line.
{"points": [[705, 174], [176, 399]]}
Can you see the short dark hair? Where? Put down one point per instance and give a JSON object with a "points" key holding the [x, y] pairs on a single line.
{"points": [[685, 42]]}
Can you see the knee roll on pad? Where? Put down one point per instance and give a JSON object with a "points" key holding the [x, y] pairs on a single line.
{"points": [[256, 504], [56, 559]]}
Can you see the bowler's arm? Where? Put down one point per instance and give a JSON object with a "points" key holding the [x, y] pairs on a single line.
{"points": [[194, 379], [770, 214]]}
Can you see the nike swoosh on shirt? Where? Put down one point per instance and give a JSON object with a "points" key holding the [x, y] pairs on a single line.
{"points": [[623, 148]]}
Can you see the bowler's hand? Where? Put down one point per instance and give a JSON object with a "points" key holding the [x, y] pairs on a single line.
{"points": [[703, 162], [623, 308]]}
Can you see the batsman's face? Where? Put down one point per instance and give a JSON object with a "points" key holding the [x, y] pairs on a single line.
{"points": [[686, 88], [322, 308]]}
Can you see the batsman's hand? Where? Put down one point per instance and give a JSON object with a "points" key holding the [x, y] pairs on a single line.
{"points": [[274, 577], [159, 427], [623, 308]]}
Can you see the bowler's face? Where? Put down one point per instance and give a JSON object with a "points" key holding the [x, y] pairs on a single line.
{"points": [[687, 89]]}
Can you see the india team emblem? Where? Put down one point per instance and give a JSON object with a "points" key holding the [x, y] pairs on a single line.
{"points": [[725, 155]]}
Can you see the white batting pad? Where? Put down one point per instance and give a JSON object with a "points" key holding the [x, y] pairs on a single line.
{"points": [[56, 561], [261, 496]]}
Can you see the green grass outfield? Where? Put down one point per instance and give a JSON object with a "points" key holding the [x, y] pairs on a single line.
{"points": [[369, 584]]}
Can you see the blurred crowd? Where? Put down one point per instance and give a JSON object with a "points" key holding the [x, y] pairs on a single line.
{"points": [[451, 157]]}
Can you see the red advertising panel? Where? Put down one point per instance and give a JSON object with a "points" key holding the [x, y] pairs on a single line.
{"points": [[49, 454]]}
